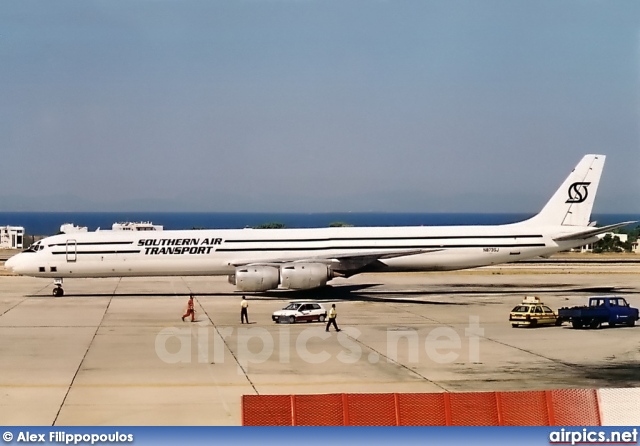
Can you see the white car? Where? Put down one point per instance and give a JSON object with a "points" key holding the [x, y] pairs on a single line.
{"points": [[300, 311]]}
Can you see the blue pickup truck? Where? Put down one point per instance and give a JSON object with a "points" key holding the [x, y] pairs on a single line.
{"points": [[613, 310]]}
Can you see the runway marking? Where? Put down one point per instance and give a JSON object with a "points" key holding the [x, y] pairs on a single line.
{"points": [[11, 308], [85, 354], [27, 297], [202, 384], [49, 326], [389, 360], [200, 348], [229, 348], [555, 361]]}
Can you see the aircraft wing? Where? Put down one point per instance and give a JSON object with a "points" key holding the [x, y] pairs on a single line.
{"points": [[347, 261], [591, 232]]}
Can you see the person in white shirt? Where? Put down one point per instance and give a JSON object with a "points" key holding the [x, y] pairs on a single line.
{"points": [[244, 305]]}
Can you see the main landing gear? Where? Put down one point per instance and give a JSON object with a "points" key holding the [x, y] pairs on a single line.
{"points": [[57, 290]]}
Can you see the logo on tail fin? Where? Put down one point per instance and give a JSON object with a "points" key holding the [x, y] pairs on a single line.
{"points": [[578, 192]]}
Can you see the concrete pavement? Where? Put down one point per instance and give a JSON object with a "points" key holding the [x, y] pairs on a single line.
{"points": [[115, 352]]}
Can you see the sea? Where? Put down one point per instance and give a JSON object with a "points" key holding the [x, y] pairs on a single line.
{"points": [[48, 223]]}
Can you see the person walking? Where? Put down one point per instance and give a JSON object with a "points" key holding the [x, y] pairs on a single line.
{"points": [[244, 305], [190, 310], [333, 314]]}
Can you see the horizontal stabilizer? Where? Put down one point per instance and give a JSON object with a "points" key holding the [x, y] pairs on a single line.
{"points": [[592, 232]]}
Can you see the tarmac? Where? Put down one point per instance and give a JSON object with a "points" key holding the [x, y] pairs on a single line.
{"points": [[116, 352]]}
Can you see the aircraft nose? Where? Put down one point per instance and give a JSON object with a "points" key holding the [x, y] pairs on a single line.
{"points": [[12, 263]]}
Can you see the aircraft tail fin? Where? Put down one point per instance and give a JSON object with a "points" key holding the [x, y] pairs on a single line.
{"points": [[572, 203]]}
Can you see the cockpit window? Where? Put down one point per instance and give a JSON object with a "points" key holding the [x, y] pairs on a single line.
{"points": [[37, 246]]}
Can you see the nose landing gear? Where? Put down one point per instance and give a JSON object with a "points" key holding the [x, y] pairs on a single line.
{"points": [[57, 290]]}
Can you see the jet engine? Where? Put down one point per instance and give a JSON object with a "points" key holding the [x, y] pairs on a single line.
{"points": [[292, 276], [256, 278], [304, 276]]}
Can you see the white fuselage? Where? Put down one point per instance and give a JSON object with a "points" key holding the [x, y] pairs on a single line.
{"points": [[219, 251], [265, 259]]}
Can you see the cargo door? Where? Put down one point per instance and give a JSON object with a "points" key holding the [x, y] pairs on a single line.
{"points": [[72, 252]]}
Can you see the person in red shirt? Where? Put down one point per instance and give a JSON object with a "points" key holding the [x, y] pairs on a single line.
{"points": [[190, 310]]}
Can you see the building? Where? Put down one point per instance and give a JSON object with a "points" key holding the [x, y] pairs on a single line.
{"points": [[588, 248], [136, 226], [11, 237], [70, 228]]}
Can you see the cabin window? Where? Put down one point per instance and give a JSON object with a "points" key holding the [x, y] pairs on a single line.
{"points": [[42, 269], [54, 269]]}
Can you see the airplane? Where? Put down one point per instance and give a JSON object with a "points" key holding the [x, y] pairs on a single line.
{"points": [[259, 260]]}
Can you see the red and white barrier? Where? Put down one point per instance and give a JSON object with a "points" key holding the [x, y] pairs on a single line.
{"points": [[619, 407], [562, 407]]}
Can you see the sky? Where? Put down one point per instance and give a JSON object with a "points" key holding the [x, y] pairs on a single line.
{"points": [[315, 105]]}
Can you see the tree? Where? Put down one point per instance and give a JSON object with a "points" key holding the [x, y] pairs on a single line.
{"points": [[611, 243], [271, 225], [632, 234], [340, 224]]}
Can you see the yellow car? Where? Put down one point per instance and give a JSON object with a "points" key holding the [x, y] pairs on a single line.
{"points": [[533, 312]]}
